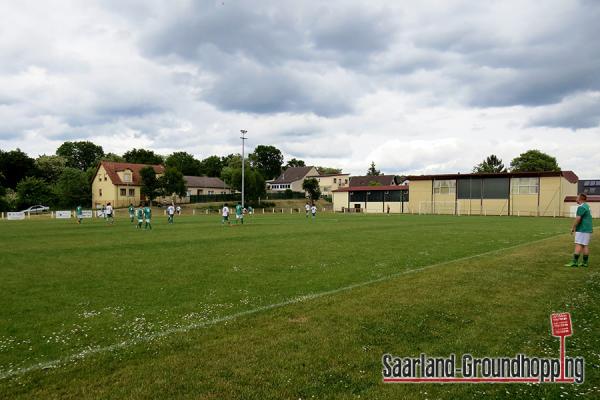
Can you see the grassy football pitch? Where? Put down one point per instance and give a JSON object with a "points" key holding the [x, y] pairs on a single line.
{"points": [[284, 307]]}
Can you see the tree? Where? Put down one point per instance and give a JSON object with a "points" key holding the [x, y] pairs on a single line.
{"points": [[211, 166], [113, 157], [150, 185], [3, 203], [295, 163], [50, 167], [172, 183], [328, 170], [267, 160], [184, 162], [254, 183], [490, 165], [311, 186], [534, 161], [81, 155], [142, 156], [32, 191], [73, 188], [14, 166], [372, 171]]}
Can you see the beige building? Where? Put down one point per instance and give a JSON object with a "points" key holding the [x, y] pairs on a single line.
{"points": [[520, 193], [292, 179], [330, 182], [119, 183], [205, 185]]}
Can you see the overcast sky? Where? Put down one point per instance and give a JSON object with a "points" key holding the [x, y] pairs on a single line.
{"points": [[427, 88]]}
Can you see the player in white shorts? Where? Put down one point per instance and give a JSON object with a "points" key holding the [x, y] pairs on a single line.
{"points": [[582, 227]]}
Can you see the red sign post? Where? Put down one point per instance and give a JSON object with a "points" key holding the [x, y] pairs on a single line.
{"points": [[561, 327]]}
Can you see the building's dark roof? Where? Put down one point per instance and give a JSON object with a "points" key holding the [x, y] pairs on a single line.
{"points": [[366, 180], [568, 175], [113, 167], [326, 175], [204, 182], [590, 199], [292, 174], [371, 188]]}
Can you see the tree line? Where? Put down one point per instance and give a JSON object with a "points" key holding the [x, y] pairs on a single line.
{"points": [[64, 179]]}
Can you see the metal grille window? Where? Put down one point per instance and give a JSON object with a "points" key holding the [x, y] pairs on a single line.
{"points": [[444, 186], [525, 185]]}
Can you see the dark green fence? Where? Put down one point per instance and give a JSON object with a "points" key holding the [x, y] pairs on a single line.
{"points": [[285, 195], [211, 198]]}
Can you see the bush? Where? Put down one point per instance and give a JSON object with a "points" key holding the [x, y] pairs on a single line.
{"points": [[32, 191]]}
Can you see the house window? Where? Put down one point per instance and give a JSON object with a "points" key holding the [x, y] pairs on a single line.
{"points": [[123, 192], [200, 191], [105, 177], [131, 192], [127, 177], [345, 180], [525, 185], [444, 186], [334, 180], [100, 192]]}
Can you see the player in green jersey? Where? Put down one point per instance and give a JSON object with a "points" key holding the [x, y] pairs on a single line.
{"points": [[582, 228], [239, 214], [140, 216], [131, 212], [148, 217], [79, 214]]}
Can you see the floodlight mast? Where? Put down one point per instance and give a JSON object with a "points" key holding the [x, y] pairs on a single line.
{"points": [[243, 137]]}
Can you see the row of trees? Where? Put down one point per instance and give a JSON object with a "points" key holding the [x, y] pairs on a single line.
{"points": [[530, 161], [64, 179]]}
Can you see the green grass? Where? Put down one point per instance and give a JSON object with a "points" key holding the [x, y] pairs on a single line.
{"points": [[148, 311]]}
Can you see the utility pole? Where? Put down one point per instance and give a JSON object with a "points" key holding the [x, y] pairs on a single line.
{"points": [[243, 137]]}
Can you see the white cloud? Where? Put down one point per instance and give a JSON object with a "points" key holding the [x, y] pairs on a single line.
{"points": [[421, 88]]}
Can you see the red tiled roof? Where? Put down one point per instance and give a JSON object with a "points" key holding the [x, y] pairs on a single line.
{"points": [[113, 167], [568, 175], [590, 199], [371, 188], [365, 180]]}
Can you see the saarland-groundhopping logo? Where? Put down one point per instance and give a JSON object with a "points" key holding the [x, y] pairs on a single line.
{"points": [[518, 369]]}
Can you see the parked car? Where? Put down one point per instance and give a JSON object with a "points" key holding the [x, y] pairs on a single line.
{"points": [[39, 209]]}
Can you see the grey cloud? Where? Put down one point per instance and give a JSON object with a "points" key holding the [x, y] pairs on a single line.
{"points": [[254, 89], [579, 112]]}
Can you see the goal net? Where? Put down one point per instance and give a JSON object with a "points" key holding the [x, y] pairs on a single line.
{"points": [[439, 207]]}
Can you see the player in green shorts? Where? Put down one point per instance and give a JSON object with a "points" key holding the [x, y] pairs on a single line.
{"points": [[239, 213], [79, 214], [582, 227], [131, 212], [140, 216], [148, 217]]}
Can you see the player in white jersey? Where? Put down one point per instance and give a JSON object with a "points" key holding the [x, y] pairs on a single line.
{"points": [[170, 213], [225, 214], [109, 213]]}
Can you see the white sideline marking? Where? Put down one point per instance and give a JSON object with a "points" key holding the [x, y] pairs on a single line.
{"points": [[300, 299]]}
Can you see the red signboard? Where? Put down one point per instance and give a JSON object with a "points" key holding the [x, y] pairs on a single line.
{"points": [[561, 324]]}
